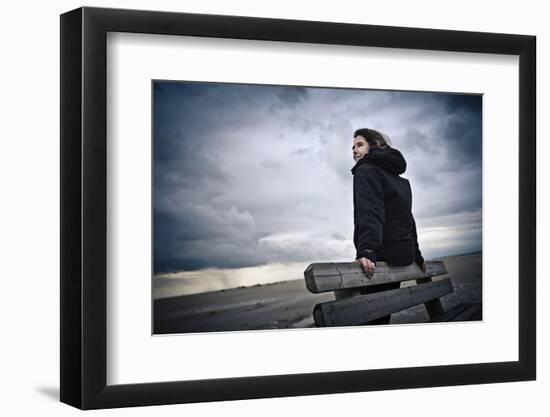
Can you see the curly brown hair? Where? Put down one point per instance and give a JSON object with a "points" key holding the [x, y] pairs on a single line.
{"points": [[374, 138]]}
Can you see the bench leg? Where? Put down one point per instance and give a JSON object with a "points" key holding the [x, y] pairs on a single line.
{"points": [[434, 307], [378, 288]]}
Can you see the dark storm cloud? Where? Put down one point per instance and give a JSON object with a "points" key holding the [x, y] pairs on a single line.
{"points": [[246, 175], [462, 131], [291, 97]]}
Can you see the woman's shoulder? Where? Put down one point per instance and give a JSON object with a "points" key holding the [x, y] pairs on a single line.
{"points": [[368, 170]]}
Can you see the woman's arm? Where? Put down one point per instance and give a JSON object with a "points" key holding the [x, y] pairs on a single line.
{"points": [[418, 258], [370, 218]]}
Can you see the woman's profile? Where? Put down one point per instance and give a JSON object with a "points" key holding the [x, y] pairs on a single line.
{"points": [[384, 227]]}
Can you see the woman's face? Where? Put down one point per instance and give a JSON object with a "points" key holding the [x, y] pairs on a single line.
{"points": [[360, 147]]}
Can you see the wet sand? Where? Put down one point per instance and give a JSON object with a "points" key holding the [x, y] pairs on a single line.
{"points": [[289, 304]]}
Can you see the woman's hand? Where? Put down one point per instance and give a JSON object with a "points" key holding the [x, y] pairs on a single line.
{"points": [[368, 266], [423, 266]]}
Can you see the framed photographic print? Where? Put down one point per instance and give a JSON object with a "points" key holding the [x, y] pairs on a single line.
{"points": [[243, 199]]}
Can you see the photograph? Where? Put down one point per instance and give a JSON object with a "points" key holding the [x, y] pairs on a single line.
{"points": [[273, 205], [293, 207]]}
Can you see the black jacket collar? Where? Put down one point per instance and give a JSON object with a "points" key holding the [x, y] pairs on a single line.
{"points": [[389, 159]]}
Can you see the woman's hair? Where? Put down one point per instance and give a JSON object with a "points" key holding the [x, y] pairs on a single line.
{"points": [[374, 138]]}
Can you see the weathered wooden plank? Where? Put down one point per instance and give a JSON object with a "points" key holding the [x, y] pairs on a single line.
{"points": [[365, 308], [377, 288], [322, 277], [461, 312]]}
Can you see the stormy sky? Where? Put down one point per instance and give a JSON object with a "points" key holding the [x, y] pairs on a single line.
{"points": [[249, 175]]}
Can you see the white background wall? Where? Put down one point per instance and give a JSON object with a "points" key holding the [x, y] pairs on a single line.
{"points": [[29, 217]]}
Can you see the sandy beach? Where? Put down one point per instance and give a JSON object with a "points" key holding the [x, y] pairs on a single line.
{"points": [[289, 304]]}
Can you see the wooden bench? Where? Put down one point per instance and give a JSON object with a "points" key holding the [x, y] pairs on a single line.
{"points": [[360, 300]]}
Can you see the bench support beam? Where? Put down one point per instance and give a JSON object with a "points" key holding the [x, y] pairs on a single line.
{"points": [[433, 307], [365, 308]]}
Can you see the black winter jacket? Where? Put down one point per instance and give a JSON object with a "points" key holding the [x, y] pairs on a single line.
{"points": [[385, 229]]}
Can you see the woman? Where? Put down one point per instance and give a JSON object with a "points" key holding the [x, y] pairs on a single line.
{"points": [[385, 229]]}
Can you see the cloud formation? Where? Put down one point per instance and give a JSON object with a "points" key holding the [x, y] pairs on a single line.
{"points": [[248, 175]]}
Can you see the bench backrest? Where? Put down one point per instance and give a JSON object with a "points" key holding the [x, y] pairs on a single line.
{"points": [[322, 277], [360, 300]]}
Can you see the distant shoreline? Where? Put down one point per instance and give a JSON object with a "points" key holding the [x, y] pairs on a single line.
{"points": [[159, 274], [167, 288], [458, 254]]}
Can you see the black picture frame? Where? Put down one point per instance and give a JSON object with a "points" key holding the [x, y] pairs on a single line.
{"points": [[84, 207]]}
